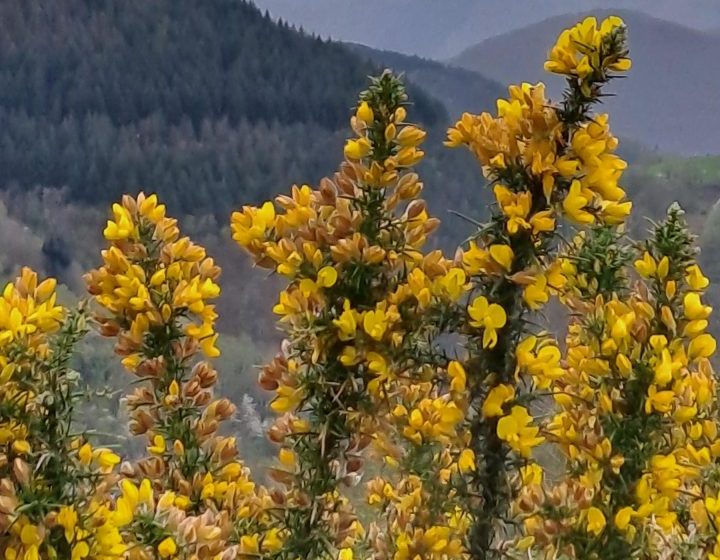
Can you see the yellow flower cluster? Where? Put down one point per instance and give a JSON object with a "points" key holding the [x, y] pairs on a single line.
{"points": [[191, 493], [28, 313], [417, 531], [151, 278], [46, 476], [588, 52], [573, 164], [358, 313], [636, 414], [427, 444], [544, 162]]}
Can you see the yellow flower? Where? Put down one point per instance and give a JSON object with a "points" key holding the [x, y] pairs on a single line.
{"points": [[517, 431], [453, 283], [489, 317], [347, 322], [67, 519], [21, 447], [375, 323], [80, 550], [614, 213], [158, 446], [410, 136], [595, 521], [577, 51], [646, 266], [286, 457], [327, 277], [575, 204], [659, 401], [515, 206], [167, 547], [458, 377], [503, 255], [531, 474], [121, 227], [358, 149], [544, 365], [694, 308], [106, 458], [663, 369], [542, 221], [249, 544], [702, 346], [271, 541], [29, 534], [623, 518], [466, 461], [287, 399], [695, 278], [208, 345], [537, 293], [496, 398], [378, 366], [349, 356], [151, 209], [365, 113], [31, 553], [252, 224]]}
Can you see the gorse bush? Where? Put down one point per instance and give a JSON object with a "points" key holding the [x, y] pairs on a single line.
{"points": [[481, 434]]}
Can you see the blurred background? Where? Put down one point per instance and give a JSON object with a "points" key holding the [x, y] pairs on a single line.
{"points": [[221, 103]]}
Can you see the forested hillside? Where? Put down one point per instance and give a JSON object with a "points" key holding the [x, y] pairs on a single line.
{"points": [[209, 104]]}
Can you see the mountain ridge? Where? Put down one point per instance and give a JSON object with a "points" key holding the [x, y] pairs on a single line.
{"points": [[442, 29], [671, 107], [459, 89]]}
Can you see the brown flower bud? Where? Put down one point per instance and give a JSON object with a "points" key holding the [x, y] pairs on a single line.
{"points": [[109, 328], [266, 381], [551, 527], [281, 476], [7, 488], [202, 398], [278, 497], [8, 505], [191, 388], [414, 209], [206, 374], [127, 469], [141, 422], [21, 471], [154, 367]]}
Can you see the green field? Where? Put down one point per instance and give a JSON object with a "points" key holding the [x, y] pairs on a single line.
{"points": [[694, 171]]}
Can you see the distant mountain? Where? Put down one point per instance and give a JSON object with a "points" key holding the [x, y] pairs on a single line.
{"points": [[669, 98], [458, 88], [442, 28]]}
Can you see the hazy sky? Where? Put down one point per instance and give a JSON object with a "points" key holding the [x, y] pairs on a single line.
{"points": [[442, 28]]}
